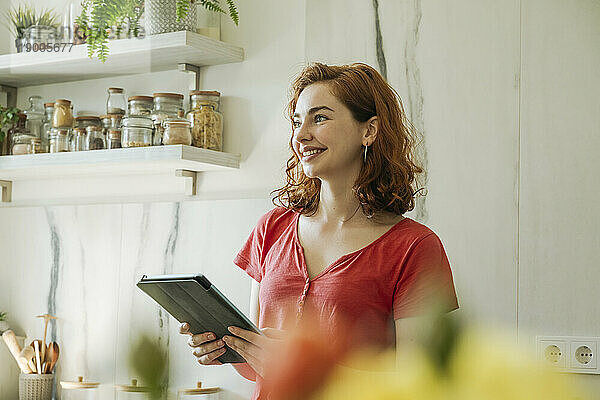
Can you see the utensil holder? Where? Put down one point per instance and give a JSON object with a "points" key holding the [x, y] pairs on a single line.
{"points": [[35, 386]]}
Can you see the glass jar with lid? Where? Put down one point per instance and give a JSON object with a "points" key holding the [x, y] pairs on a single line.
{"points": [[79, 390], [206, 120], [79, 140], [37, 146], [63, 114], [95, 138], [47, 124], [198, 393], [140, 105], [136, 131], [83, 121], [23, 144], [116, 104], [177, 131], [111, 121], [166, 106], [35, 116], [132, 392], [18, 129], [60, 140], [113, 139]]}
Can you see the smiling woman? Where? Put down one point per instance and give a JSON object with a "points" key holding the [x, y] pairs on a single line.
{"points": [[356, 279]]}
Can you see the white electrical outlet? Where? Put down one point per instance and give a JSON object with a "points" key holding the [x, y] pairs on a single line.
{"points": [[574, 354], [583, 354]]}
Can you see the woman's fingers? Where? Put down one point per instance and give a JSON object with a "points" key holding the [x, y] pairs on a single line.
{"points": [[249, 336], [197, 340], [184, 329], [211, 358], [242, 346], [208, 347]]}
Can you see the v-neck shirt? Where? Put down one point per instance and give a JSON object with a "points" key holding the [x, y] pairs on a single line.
{"points": [[356, 298]]}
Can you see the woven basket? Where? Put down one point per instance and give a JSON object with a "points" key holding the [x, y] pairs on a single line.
{"points": [[35, 386]]}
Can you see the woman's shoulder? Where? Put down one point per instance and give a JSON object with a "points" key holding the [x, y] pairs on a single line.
{"points": [[411, 231], [274, 218]]}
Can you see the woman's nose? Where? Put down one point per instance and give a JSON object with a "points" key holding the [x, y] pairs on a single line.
{"points": [[302, 133]]}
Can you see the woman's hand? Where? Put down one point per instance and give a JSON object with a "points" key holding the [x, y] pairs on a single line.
{"points": [[256, 349], [206, 348]]}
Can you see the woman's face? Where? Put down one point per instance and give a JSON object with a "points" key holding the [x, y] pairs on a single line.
{"points": [[327, 138]]}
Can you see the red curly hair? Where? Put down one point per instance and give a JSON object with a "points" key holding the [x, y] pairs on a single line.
{"points": [[387, 179]]}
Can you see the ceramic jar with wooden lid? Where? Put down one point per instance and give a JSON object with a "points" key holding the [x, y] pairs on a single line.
{"points": [[132, 392], [198, 393], [79, 390]]}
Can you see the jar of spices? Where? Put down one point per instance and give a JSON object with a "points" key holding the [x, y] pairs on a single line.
{"points": [[59, 140], [136, 131], [79, 390], [37, 146], [23, 144], [62, 116], [140, 105], [166, 106], [177, 131], [132, 392], [79, 140], [47, 125], [116, 101], [113, 139], [95, 138], [206, 120], [87, 120], [35, 116], [198, 393]]}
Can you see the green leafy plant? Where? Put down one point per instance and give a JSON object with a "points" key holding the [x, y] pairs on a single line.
{"points": [[100, 19], [2, 316], [183, 7], [8, 117], [25, 16]]}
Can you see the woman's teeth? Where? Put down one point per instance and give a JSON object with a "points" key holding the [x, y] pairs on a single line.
{"points": [[311, 152]]}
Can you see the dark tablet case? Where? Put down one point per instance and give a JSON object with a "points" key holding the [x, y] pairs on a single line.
{"points": [[193, 299]]}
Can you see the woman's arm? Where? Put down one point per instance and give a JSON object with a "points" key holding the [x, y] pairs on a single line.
{"points": [[244, 369], [409, 331]]}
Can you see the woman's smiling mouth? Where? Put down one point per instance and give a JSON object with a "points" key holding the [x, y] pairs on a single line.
{"points": [[308, 155]]}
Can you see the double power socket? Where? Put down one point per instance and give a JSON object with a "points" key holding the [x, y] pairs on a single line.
{"points": [[574, 354]]}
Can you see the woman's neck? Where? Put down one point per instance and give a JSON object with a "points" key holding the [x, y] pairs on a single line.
{"points": [[338, 203]]}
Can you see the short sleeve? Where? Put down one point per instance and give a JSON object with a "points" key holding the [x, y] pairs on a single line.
{"points": [[250, 257], [425, 280]]}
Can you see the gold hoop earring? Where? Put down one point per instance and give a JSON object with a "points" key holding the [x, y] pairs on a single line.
{"points": [[366, 147]]}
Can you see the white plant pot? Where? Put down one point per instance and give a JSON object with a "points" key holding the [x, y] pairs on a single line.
{"points": [[160, 16]]}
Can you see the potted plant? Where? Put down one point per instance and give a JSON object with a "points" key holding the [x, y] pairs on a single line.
{"points": [[8, 117], [101, 20], [3, 324], [25, 16]]}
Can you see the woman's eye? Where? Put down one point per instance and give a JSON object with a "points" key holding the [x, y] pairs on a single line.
{"points": [[320, 118], [296, 124]]}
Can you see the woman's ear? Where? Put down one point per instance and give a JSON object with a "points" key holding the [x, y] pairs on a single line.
{"points": [[372, 130]]}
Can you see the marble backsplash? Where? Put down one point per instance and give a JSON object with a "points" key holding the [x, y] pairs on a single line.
{"points": [[81, 263]]}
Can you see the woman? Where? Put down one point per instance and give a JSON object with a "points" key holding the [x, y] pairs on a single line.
{"points": [[338, 250]]}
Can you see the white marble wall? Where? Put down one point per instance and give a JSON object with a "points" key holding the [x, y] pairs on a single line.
{"points": [[81, 263]]}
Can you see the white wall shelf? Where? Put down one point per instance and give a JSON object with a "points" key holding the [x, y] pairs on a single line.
{"points": [[153, 173], [127, 56]]}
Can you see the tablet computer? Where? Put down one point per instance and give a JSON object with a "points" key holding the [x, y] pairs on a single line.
{"points": [[193, 299]]}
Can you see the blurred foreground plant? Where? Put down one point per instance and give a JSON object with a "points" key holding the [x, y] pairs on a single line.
{"points": [[149, 362]]}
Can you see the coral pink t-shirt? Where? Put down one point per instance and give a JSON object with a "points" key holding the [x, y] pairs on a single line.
{"points": [[356, 298]]}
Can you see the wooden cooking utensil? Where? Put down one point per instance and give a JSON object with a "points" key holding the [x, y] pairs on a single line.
{"points": [[39, 342], [38, 364], [11, 342], [47, 318], [26, 357], [51, 357]]}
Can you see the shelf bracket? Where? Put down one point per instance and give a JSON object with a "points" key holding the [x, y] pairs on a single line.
{"points": [[11, 95], [190, 187], [184, 67], [6, 188]]}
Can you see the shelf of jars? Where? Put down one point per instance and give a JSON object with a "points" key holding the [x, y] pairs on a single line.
{"points": [[127, 56], [153, 173]]}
